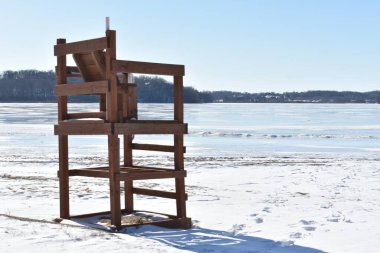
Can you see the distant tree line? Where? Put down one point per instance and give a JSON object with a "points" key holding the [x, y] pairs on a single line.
{"points": [[38, 86]]}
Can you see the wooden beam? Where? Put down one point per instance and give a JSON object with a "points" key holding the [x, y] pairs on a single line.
{"points": [[156, 193], [81, 46], [147, 68], [112, 112], [128, 198], [114, 178], [61, 79], [150, 128], [63, 175], [130, 173], [155, 147], [83, 129], [178, 144], [63, 141], [153, 175], [83, 115], [88, 172], [88, 88]]}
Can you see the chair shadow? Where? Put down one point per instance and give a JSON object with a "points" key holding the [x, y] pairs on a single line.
{"points": [[208, 240]]}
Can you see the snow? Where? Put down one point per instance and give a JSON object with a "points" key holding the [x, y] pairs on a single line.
{"points": [[292, 203]]}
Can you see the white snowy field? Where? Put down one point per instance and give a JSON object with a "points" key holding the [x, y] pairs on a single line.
{"points": [[254, 204], [320, 197]]}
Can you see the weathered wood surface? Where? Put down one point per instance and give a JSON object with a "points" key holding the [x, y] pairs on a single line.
{"points": [[83, 129], [88, 88], [155, 147], [114, 179], [84, 115], [150, 128], [81, 46], [130, 173], [155, 193], [147, 68]]}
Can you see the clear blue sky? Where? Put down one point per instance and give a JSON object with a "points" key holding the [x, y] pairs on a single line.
{"points": [[251, 45]]}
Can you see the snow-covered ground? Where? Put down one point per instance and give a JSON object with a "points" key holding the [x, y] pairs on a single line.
{"points": [[257, 202], [246, 204]]}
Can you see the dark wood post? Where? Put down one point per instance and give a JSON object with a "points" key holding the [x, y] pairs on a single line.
{"points": [[128, 160], [178, 147], [63, 139], [113, 140]]}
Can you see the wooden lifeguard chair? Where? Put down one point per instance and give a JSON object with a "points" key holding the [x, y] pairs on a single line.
{"points": [[107, 77]]}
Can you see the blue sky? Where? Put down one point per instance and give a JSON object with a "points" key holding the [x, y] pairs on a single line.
{"points": [[241, 45]]}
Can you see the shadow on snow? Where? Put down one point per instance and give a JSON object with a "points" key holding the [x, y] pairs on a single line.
{"points": [[207, 240]]}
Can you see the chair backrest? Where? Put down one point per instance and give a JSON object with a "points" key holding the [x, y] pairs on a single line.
{"points": [[91, 65]]}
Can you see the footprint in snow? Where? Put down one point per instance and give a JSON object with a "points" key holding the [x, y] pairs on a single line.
{"points": [[307, 222], [296, 235], [309, 228], [333, 219], [267, 209], [259, 220], [326, 205]]}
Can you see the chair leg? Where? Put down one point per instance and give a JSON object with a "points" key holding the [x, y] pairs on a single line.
{"points": [[114, 176], [64, 177], [128, 184], [181, 197]]}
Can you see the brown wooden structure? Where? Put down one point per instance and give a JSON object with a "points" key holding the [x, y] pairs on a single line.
{"points": [[106, 76]]}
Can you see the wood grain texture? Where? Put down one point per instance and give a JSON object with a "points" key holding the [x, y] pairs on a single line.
{"points": [[147, 68], [88, 88], [81, 46]]}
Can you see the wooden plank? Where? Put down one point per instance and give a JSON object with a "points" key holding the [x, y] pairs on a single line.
{"points": [[153, 175], [63, 149], [81, 46], [88, 215], [128, 155], [147, 68], [178, 150], [61, 79], [64, 177], [83, 129], [132, 102], [114, 178], [178, 98], [77, 122], [150, 128], [88, 88], [89, 173], [128, 197], [112, 112], [156, 193], [98, 57], [154, 147], [103, 102], [91, 65], [83, 115]]}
